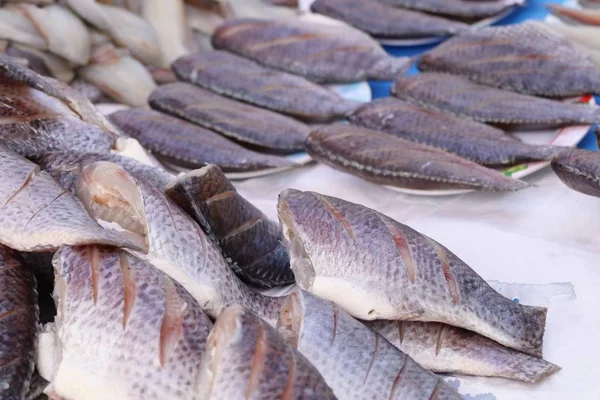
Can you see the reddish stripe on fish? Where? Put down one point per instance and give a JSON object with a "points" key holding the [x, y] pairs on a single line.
{"points": [[288, 390], [398, 378], [93, 254], [448, 276], [129, 290], [401, 331], [220, 196], [27, 182], [403, 248], [244, 227], [335, 322], [258, 361], [440, 339], [334, 212], [171, 327], [373, 357], [436, 392]]}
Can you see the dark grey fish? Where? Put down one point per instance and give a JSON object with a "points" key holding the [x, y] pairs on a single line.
{"points": [[190, 146], [34, 62], [527, 58], [320, 52], [463, 9], [244, 123], [382, 158], [233, 76], [580, 170], [65, 166], [385, 21], [459, 96], [18, 325], [245, 235], [472, 140]]}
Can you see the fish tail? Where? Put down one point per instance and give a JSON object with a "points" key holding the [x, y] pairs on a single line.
{"points": [[534, 319], [531, 369], [391, 68]]}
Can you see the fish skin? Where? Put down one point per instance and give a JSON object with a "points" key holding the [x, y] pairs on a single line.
{"points": [[233, 76], [245, 235], [18, 325], [395, 272], [177, 245], [574, 15], [459, 96], [137, 334], [388, 160], [385, 21], [356, 362], [447, 349], [320, 52], [65, 166], [474, 141], [457, 8], [539, 61], [37, 214], [230, 367], [579, 169], [189, 145], [244, 123]]}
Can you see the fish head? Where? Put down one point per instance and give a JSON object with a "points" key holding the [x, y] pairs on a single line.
{"points": [[113, 198]]}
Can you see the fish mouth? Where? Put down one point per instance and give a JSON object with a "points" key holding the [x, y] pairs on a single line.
{"points": [[112, 197], [290, 319]]}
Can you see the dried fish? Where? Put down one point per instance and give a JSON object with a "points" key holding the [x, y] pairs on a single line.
{"points": [[162, 76], [17, 28], [583, 38], [250, 125], [376, 268], [42, 62], [92, 92], [244, 233], [463, 9], [385, 159], [459, 96], [574, 15], [580, 170]]}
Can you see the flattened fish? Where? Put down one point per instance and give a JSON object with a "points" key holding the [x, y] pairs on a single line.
{"points": [[527, 58], [18, 325], [177, 245], [245, 234], [385, 159], [248, 359], [37, 214], [356, 362], [447, 349], [124, 330], [190, 146], [474, 141], [463, 9], [244, 123], [459, 96], [385, 21], [376, 268], [65, 167], [245, 80], [320, 52], [580, 170]]}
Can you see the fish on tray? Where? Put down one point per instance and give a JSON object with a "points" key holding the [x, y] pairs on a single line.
{"points": [[579, 169], [123, 328], [248, 359], [472, 140], [459, 96], [230, 75], [527, 58], [446, 349], [460, 9], [388, 160], [244, 233], [18, 325], [385, 21], [186, 145], [176, 244], [326, 53], [244, 123], [356, 362], [376, 268]]}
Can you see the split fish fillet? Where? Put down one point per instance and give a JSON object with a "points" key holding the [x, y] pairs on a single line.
{"points": [[579, 169]]}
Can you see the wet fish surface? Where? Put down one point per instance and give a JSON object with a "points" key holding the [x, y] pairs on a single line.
{"points": [[459, 96], [447, 349], [247, 358], [464, 9], [388, 160], [474, 141], [395, 273], [176, 244], [526, 58], [187, 145], [18, 325], [384, 21], [356, 362], [244, 233], [244, 123], [37, 214], [230, 75], [579, 169], [323, 53], [123, 329]]}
